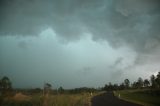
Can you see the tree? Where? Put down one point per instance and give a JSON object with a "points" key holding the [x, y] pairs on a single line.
{"points": [[0, 84], [60, 90], [5, 85], [135, 85], [121, 86], [47, 88], [47, 85], [109, 87], [140, 82], [115, 87], [157, 80], [153, 82], [146, 83], [127, 83]]}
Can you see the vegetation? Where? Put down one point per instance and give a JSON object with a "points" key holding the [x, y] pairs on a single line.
{"points": [[154, 83], [142, 92], [51, 100], [146, 92], [145, 97], [5, 85], [127, 83], [44, 97]]}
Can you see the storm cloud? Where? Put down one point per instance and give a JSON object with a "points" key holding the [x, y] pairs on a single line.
{"points": [[127, 30], [119, 22]]}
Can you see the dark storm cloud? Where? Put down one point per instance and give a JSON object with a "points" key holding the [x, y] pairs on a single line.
{"points": [[132, 22]]}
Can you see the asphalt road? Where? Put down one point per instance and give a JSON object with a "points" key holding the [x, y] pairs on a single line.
{"points": [[108, 99]]}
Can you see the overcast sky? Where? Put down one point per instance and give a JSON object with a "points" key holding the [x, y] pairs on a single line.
{"points": [[77, 43]]}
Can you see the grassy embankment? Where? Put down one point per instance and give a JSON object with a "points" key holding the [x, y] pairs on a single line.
{"points": [[82, 99], [145, 97]]}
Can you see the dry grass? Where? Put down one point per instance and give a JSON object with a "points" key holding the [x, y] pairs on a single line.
{"points": [[20, 99], [67, 100]]}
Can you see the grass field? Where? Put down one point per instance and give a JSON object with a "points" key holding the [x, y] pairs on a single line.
{"points": [[144, 97], [82, 99], [68, 100]]}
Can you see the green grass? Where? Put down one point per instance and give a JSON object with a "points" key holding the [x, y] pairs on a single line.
{"points": [[143, 97]]}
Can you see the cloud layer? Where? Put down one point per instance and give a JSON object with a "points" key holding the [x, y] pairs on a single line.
{"points": [[135, 23], [130, 27]]}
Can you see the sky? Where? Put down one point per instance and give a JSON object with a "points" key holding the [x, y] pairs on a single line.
{"points": [[78, 43]]}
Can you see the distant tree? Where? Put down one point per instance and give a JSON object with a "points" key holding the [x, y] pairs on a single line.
{"points": [[140, 82], [60, 90], [47, 88], [157, 80], [0, 84], [153, 82], [5, 85], [115, 87], [106, 87], [127, 83], [82, 90], [109, 87], [135, 85], [146, 83], [121, 86], [158, 75], [36, 90]]}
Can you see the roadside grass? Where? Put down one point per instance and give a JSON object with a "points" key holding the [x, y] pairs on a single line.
{"points": [[70, 100], [146, 97], [82, 99]]}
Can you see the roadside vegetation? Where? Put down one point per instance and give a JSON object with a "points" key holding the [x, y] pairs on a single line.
{"points": [[145, 92], [50, 100], [44, 97], [146, 97]]}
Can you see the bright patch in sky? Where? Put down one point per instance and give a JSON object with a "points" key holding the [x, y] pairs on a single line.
{"points": [[47, 59]]}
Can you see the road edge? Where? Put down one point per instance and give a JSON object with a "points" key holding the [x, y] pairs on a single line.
{"points": [[129, 100]]}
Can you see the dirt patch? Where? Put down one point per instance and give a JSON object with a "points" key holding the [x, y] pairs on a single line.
{"points": [[21, 97]]}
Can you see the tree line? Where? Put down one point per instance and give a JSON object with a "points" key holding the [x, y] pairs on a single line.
{"points": [[6, 89], [153, 82]]}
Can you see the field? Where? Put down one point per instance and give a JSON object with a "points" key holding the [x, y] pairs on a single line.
{"points": [[82, 99], [144, 97]]}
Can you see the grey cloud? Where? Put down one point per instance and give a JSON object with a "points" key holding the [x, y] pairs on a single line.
{"points": [[118, 61], [131, 22], [85, 71], [117, 74], [23, 44]]}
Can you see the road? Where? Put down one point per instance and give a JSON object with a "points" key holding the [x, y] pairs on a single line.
{"points": [[108, 99]]}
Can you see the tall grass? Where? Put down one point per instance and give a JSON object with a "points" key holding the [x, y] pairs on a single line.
{"points": [[52, 100], [70, 100]]}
